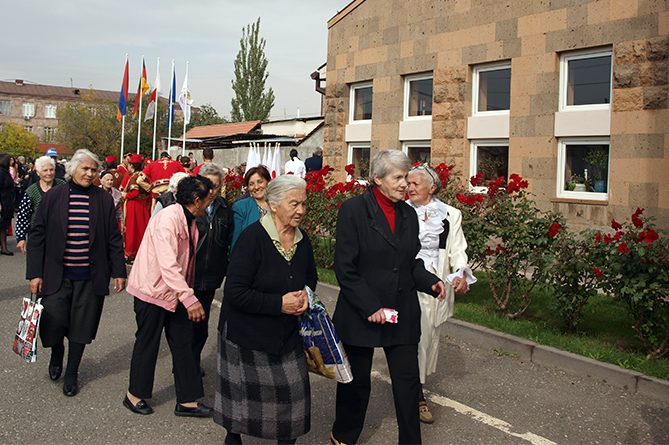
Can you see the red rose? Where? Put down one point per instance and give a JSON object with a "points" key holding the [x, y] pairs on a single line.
{"points": [[607, 239], [598, 237], [555, 228], [623, 248], [617, 236], [598, 273], [615, 225], [350, 169]]}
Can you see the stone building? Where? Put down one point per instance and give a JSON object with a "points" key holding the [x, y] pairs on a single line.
{"points": [[570, 94]]}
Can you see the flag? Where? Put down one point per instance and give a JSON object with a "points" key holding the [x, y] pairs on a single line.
{"points": [[142, 88], [155, 94], [267, 159], [184, 99], [172, 99], [123, 98], [276, 162]]}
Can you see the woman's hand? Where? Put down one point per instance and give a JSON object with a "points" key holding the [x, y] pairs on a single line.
{"points": [[460, 285], [196, 312], [21, 245], [441, 289], [294, 303], [377, 317], [36, 286]]}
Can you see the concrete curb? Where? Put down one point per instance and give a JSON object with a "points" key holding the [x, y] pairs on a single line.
{"points": [[631, 381]]}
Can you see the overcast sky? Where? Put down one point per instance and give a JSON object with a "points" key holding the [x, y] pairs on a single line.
{"points": [[49, 42]]}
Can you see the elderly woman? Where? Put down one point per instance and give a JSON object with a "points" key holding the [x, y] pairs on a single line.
{"points": [[46, 170], [107, 184], [443, 247], [7, 186], [161, 281], [377, 269], [249, 210], [74, 248], [258, 328]]}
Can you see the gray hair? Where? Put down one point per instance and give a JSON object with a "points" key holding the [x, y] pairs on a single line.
{"points": [[40, 162], [212, 169], [429, 175], [277, 188], [175, 180], [21, 158], [318, 151], [78, 157], [387, 160]]}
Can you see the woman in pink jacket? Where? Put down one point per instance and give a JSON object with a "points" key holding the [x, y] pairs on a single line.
{"points": [[161, 281]]}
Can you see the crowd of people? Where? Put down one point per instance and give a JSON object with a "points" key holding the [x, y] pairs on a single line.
{"points": [[169, 221]]}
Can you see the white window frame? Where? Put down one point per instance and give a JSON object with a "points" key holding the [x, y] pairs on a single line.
{"points": [[50, 111], [407, 94], [564, 77], [562, 165], [475, 85], [349, 158], [30, 108], [420, 144], [473, 159], [9, 107], [351, 114], [28, 128], [50, 134]]}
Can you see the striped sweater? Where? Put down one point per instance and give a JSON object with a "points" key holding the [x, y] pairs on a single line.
{"points": [[76, 262]]}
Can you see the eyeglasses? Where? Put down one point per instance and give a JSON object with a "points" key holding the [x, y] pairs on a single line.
{"points": [[425, 168]]}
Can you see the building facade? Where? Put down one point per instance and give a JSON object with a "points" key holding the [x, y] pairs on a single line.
{"points": [[570, 94]]}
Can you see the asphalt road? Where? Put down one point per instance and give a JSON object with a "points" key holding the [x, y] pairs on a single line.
{"points": [[476, 396]]}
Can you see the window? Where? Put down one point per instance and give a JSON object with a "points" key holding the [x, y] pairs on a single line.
{"points": [[358, 155], [492, 88], [50, 111], [28, 109], [583, 168], [5, 107], [418, 152], [28, 128], [585, 79], [490, 157], [49, 134], [361, 102], [418, 96]]}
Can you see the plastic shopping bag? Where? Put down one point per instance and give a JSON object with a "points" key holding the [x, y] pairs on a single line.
{"points": [[25, 340], [323, 349]]}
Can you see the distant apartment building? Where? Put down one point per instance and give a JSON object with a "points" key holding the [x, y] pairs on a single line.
{"points": [[570, 94]]}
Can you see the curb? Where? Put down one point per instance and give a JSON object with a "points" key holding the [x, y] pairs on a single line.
{"points": [[631, 381]]}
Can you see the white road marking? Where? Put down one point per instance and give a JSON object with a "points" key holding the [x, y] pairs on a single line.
{"points": [[484, 418]]}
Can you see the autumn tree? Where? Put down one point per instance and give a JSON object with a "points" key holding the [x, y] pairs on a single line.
{"points": [[17, 141], [251, 101]]}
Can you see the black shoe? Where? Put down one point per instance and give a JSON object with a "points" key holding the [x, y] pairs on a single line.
{"points": [[141, 408], [199, 411], [8, 253], [202, 371], [54, 372], [70, 389]]}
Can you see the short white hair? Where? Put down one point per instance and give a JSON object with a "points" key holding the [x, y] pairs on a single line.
{"points": [[277, 188], [42, 161], [78, 157], [175, 180], [386, 161]]}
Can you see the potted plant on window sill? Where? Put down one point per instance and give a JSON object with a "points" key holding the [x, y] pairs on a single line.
{"points": [[577, 183], [599, 160]]}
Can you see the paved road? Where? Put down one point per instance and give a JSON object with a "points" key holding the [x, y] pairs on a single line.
{"points": [[476, 397]]}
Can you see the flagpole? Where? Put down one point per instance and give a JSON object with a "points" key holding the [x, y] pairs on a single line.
{"points": [[170, 110], [123, 119], [140, 94], [183, 150], [155, 113]]}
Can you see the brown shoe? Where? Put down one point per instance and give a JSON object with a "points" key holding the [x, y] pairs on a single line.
{"points": [[424, 413]]}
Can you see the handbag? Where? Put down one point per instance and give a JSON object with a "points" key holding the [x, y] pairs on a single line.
{"points": [[25, 340], [324, 351]]}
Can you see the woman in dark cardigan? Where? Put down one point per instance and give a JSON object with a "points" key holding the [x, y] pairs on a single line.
{"points": [[258, 328], [376, 266]]}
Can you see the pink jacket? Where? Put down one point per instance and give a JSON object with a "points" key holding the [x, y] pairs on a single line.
{"points": [[164, 270]]}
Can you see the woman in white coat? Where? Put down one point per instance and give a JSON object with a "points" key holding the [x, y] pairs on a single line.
{"points": [[443, 247]]}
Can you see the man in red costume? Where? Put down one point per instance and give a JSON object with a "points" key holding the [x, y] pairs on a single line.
{"points": [[136, 212], [156, 176], [123, 167]]}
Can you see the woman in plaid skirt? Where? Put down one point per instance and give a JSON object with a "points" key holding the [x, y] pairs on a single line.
{"points": [[263, 388]]}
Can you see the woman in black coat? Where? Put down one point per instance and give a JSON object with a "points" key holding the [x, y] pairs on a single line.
{"points": [[6, 201], [376, 266]]}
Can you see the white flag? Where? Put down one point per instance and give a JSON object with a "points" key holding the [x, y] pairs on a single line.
{"points": [[184, 99], [155, 94], [276, 162]]}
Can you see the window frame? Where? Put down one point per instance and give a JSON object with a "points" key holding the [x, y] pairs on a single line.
{"points": [[473, 159], [349, 158], [49, 107], [407, 95], [31, 106], [565, 58], [9, 107], [353, 88], [562, 164], [477, 70], [419, 144], [50, 134]]}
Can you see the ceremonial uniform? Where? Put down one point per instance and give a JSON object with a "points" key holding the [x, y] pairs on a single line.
{"points": [[136, 214], [156, 176]]}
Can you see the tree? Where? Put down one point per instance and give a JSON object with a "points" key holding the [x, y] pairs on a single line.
{"points": [[17, 141], [207, 115], [251, 102]]}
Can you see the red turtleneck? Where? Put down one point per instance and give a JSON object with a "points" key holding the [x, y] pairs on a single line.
{"points": [[387, 206]]}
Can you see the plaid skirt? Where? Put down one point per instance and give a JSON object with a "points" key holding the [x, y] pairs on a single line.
{"points": [[260, 394]]}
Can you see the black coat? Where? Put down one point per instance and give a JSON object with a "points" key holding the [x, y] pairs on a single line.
{"points": [[213, 245], [46, 243], [6, 195], [378, 269]]}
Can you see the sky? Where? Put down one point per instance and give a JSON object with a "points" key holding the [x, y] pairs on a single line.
{"points": [[87, 40]]}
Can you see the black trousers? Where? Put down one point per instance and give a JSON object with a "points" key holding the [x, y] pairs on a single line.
{"points": [[151, 320], [353, 397], [201, 329]]}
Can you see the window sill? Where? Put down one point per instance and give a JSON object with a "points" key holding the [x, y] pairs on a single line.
{"points": [[580, 201]]}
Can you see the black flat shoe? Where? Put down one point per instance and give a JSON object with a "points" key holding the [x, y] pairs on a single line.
{"points": [[141, 408], [70, 389], [54, 372], [7, 253], [199, 411]]}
